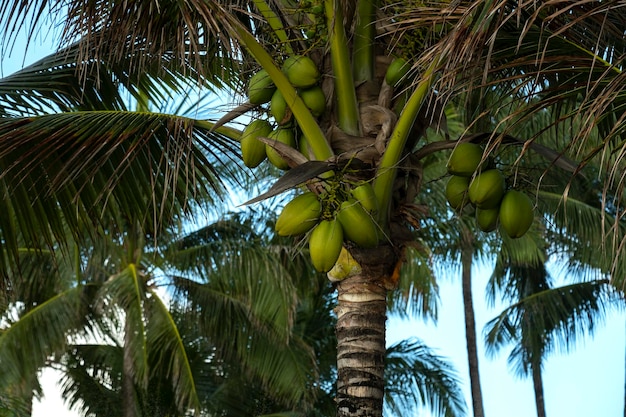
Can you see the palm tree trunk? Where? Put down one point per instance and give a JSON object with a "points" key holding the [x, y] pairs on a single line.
{"points": [[361, 315], [538, 386], [467, 251]]}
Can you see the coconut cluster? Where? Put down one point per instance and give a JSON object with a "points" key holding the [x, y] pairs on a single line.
{"points": [[304, 75], [474, 181]]}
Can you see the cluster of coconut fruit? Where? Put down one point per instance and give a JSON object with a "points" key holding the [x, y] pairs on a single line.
{"points": [[304, 75], [342, 211], [486, 190]]}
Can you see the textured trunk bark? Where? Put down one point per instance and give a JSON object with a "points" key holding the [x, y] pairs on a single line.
{"points": [[467, 251], [361, 315], [538, 387]]}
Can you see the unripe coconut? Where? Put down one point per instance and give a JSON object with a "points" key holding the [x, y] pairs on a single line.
{"points": [[358, 225], [396, 71], [465, 159], [283, 135], [252, 149], [456, 191], [516, 213], [486, 189], [487, 219], [279, 109], [314, 99], [325, 243], [364, 193], [301, 71], [299, 215], [260, 88], [304, 147]]}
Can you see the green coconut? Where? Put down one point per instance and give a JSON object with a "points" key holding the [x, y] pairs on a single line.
{"points": [[301, 71], [487, 219], [465, 159], [486, 189], [279, 109], [260, 88], [252, 149], [282, 135], [456, 191], [516, 213], [314, 99]]}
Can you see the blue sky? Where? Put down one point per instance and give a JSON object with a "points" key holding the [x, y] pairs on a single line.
{"points": [[589, 381]]}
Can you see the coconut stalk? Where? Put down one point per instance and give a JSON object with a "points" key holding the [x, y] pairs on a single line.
{"points": [[364, 34], [387, 169], [311, 130], [347, 106]]}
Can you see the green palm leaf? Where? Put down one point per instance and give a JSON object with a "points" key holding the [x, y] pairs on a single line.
{"points": [[27, 344], [92, 376], [168, 347], [81, 167], [127, 291], [417, 377], [243, 298], [53, 84], [189, 33], [555, 317], [579, 221]]}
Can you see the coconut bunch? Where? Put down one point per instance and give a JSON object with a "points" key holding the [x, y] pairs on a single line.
{"points": [[303, 75], [338, 208], [474, 181]]}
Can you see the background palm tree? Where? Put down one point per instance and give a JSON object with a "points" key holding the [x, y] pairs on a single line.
{"points": [[94, 378], [542, 318]]}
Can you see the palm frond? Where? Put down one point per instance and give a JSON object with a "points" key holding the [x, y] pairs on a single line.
{"points": [[417, 377], [127, 291], [189, 33], [549, 320], [42, 331], [80, 168], [91, 380], [418, 292], [168, 347], [588, 235], [253, 334], [52, 85], [243, 298], [513, 257], [227, 258]]}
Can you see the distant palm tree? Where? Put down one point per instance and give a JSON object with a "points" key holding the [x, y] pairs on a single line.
{"points": [[126, 309], [542, 318]]}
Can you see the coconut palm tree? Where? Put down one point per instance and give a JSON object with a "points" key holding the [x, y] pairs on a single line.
{"points": [[132, 388], [542, 318], [561, 54]]}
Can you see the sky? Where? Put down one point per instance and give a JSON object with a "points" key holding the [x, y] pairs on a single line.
{"points": [[589, 381]]}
